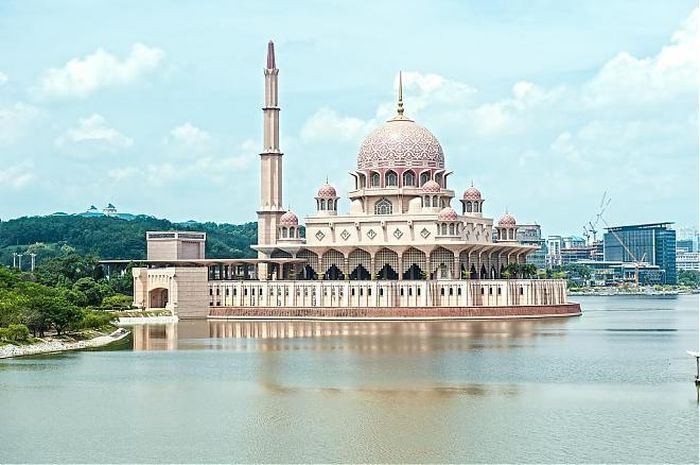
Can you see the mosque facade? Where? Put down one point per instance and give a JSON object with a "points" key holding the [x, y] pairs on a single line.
{"points": [[409, 246]]}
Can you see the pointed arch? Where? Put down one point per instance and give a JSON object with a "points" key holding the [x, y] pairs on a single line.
{"points": [[413, 264], [383, 207], [309, 269], [359, 263], [332, 259], [409, 178], [424, 177], [441, 261], [386, 262], [391, 179]]}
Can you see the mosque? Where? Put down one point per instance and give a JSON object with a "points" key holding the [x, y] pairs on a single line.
{"points": [[401, 251]]}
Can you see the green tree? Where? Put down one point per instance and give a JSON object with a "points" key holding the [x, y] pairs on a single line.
{"points": [[689, 278], [118, 302], [93, 291]]}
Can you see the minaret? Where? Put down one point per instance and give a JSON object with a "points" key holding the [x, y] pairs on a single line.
{"points": [[270, 160]]}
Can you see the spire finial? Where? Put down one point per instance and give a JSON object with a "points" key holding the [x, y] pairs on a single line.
{"points": [[472, 182], [399, 106], [326, 179], [270, 55]]}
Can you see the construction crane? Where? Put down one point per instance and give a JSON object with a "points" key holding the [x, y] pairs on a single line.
{"points": [[591, 228], [604, 203]]}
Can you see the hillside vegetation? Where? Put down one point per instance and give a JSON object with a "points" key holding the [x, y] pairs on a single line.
{"points": [[111, 238]]}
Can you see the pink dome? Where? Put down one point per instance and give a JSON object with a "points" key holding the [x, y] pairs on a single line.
{"points": [[507, 220], [327, 191], [400, 143], [447, 214], [472, 194], [289, 219], [431, 187]]}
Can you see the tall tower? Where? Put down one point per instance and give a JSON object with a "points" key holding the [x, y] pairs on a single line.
{"points": [[270, 161]]}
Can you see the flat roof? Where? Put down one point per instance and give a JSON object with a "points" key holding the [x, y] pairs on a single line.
{"points": [[206, 261], [640, 226]]}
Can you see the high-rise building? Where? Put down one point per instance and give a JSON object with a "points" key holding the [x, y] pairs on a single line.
{"points": [[554, 246], [653, 243], [531, 234]]}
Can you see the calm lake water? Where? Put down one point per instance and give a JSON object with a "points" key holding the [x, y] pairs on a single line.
{"points": [[614, 385]]}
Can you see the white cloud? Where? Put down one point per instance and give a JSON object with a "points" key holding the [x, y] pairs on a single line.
{"points": [[3, 78], [94, 131], [80, 77], [421, 92], [327, 125], [15, 120], [671, 72], [190, 135], [511, 115], [17, 176]]}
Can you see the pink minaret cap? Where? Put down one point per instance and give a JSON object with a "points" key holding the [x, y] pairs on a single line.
{"points": [[270, 55]]}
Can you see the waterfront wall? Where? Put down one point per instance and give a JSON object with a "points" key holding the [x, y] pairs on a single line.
{"points": [[387, 294], [400, 313]]}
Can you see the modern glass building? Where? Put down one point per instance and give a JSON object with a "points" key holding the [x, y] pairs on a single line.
{"points": [[653, 243], [531, 234]]}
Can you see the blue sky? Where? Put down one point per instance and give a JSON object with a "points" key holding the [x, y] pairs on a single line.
{"points": [[155, 106]]}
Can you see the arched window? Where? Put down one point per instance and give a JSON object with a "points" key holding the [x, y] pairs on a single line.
{"points": [[444, 229], [383, 207], [391, 179], [375, 180], [452, 229], [469, 207], [435, 201], [438, 179], [361, 181], [424, 177], [409, 179], [283, 232], [476, 207], [323, 204]]}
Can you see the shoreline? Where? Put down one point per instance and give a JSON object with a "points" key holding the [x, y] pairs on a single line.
{"points": [[49, 347], [142, 320]]}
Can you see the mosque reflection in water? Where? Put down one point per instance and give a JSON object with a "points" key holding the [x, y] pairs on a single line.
{"points": [[408, 336]]}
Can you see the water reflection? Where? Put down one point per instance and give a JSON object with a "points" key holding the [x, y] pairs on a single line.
{"points": [[409, 336]]}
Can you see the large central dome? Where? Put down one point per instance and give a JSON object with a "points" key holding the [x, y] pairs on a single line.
{"points": [[400, 143]]}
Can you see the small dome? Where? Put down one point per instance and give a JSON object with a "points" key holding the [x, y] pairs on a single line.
{"points": [[289, 219], [507, 220], [327, 191], [447, 214], [472, 194], [431, 186]]}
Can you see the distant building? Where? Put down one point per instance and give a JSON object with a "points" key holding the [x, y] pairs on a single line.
{"points": [[654, 244], [687, 261], [554, 246], [689, 238], [686, 245], [575, 254], [563, 250], [110, 210], [531, 234], [598, 251], [612, 273]]}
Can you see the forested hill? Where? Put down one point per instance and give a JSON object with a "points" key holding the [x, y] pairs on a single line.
{"points": [[112, 238]]}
